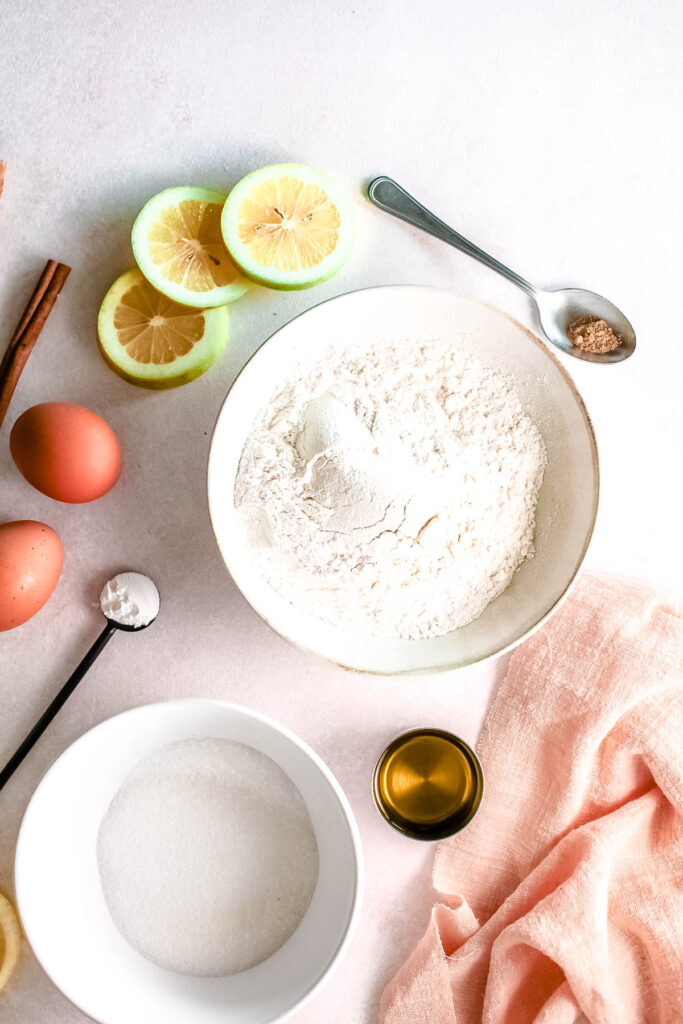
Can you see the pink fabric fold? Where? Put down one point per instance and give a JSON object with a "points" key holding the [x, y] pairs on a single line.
{"points": [[563, 900]]}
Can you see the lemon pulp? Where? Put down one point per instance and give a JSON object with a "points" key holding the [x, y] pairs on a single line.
{"points": [[153, 329], [288, 224], [186, 245]]}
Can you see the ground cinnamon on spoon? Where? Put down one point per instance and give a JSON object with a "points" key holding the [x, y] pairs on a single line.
{"points": [[591, 334]]}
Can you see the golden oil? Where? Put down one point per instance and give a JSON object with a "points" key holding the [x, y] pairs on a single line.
{"points": [[428, 784]]}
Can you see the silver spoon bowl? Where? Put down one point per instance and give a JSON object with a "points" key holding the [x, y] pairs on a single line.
{"points": [[556, 309]]}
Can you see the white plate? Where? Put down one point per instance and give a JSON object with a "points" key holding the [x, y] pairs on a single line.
{"points": [[62, 906], [568, 499]]}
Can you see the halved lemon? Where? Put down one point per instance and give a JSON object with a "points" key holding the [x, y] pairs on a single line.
{"points": [[153, 342], [288, 226], [178, 246], [10, 940]]}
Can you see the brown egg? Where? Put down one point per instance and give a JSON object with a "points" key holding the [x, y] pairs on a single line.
{"points": [[30, 563], [66, 451]]}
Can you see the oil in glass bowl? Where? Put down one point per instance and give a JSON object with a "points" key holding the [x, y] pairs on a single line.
{"points": [[428, 784]]}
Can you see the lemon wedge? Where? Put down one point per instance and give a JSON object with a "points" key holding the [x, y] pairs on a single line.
{"points": [[151, 341], [288, 226], [10, 940], [178, 246]]}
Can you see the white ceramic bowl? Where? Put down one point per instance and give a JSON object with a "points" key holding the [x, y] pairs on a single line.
{"points": [[62, 906], [568, 499]]}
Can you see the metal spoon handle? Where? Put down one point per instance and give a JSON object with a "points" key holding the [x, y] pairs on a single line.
{"points": [[387, 195], [58, 702]]}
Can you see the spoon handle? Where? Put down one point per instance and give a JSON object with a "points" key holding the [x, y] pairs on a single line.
{"points": [[387, 195], [58, 702]]}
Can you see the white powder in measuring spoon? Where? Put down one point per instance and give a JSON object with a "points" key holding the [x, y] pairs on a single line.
{"points": [[130, 599], [207, 857], [391, 488]]}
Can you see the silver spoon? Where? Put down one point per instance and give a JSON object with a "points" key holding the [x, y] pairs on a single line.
{"points": [[129, 601], [556, 309]]}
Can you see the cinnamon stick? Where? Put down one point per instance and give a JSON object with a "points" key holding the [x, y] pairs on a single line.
{"points": [[35, 300], [30, 325]]}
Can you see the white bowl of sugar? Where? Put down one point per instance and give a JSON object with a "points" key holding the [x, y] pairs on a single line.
{"points": [[274, 859], [403, 481]]}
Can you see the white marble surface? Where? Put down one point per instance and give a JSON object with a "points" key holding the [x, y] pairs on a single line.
{"points": [[549, 133]]}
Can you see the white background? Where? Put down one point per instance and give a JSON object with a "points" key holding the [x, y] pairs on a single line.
{"points": [[548, 133]]}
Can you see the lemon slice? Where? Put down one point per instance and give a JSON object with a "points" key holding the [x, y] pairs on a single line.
{"points": [[178, 246], [288, 226], [10, 940], [153, 342]]}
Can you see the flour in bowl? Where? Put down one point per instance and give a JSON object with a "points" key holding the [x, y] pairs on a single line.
{"points": [[391, 489]]}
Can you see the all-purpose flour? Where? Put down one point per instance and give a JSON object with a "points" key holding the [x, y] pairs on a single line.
{"points": [[391, 490]]}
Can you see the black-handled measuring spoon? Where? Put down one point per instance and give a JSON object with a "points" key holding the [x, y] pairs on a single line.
{"points": [[129, 601]]}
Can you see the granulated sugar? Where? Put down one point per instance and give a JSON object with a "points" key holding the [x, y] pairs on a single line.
{"points": [[391, 489], [207, 857]]}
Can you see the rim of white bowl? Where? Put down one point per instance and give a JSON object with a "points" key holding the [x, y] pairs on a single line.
{"points": [[448, 667], [322, 767]]}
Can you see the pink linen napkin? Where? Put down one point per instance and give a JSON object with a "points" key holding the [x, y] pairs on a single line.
{"points": [[563, 900]]}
